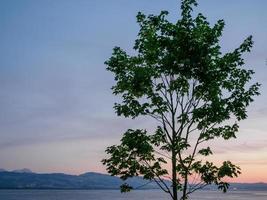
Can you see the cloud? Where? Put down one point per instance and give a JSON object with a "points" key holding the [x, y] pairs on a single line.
{"points": [[252, 146], [252, 162], [69, 127]]}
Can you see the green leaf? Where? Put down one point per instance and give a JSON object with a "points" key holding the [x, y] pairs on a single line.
{"points": [[205, 152], [126, 188]]}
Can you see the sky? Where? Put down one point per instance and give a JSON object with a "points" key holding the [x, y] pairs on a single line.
{"points": [[56, 106]]}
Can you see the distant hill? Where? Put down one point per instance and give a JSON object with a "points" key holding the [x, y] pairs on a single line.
{"points": [[90, 180], [249, 186], [24, 170], [25, 179]]}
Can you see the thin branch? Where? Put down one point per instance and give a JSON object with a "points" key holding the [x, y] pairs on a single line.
{"points": [[166, 130], [164, 187], [156, 117], [162, 154], [142, 185], [197, 188]]}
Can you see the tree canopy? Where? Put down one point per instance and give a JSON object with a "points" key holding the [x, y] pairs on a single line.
{"points": [[180, 78]]}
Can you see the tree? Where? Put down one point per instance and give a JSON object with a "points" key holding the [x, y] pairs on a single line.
{"points": [[180, 78]]}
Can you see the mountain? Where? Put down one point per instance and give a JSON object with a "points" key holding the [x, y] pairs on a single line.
{"points": [[90, 180], [249, 186], [241, 187], [24, 170], [2, 170]]}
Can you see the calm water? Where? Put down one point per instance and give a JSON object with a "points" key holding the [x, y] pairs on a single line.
{"points": [[116, 195]]}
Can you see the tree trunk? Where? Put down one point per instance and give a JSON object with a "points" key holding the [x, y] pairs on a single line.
{"points": [[174, 177], [184, 197]]}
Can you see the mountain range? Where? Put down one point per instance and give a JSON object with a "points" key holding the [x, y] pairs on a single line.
{"points": [[26, 179]]}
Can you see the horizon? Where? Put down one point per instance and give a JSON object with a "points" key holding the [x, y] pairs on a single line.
{"points": [[101, 173], [56, 103]]}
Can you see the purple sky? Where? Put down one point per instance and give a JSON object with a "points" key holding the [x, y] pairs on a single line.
{"points": [[56, 110]]}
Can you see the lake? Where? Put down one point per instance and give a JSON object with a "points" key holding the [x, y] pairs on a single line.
{"points": [[116, 195]]}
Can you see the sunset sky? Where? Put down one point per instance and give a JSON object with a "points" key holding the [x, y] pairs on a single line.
{"points": [[56, 110]]}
